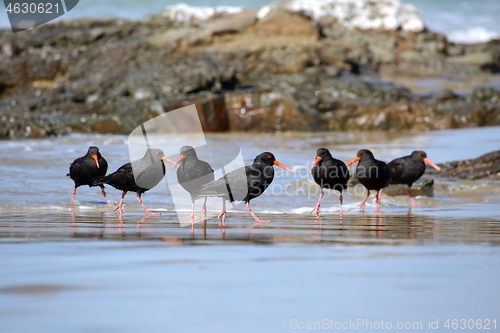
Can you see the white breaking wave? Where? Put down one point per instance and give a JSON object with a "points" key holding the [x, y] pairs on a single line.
{"points": [[331, 209], [462, 21], [182, 12], [362, 14], [472, 35]]}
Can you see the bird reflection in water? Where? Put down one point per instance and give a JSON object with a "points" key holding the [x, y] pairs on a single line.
{"points": [[203, 228], [87, 219], [379, 224], [366, 225], [139, 225]]}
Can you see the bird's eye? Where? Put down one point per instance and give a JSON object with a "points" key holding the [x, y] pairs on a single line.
{"points": [[363, 153], [269, 156], [323, 153], [419, 154]]}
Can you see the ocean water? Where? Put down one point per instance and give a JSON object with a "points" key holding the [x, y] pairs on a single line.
{"points": [[464, 21], [291, 193]]}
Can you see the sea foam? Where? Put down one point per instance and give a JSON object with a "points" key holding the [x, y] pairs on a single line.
{"points": [[362, 14], [472, 35], [182, 12]]}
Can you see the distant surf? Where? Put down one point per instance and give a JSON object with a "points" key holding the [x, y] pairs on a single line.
{"points": [[461, 21]]}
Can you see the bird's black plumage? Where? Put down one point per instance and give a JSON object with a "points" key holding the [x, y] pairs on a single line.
{"points": [[243, 184], [371, 173], [408, 169], [329, 173], [137, 176], [84, 170], [193, 173]]}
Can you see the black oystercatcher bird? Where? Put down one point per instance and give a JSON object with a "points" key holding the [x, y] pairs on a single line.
{"points": [[243, 184], [372, 174], [193, 173], [85, 169], [329, 173], [408, 169], [138, 176]]}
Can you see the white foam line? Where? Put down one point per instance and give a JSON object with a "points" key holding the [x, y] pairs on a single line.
{"points": [[362, 14], [182, 12], [472, 35]]}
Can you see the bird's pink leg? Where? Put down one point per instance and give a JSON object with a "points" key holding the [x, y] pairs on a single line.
{"points": [[223, 213], [362, 204], [104, 195], [120, 204], [204, 208], [377, 201], [148, 213], [120, 224], [413, 203], [192, 216], [316, 208], [341, 198], [257, 220], [73, 194]]}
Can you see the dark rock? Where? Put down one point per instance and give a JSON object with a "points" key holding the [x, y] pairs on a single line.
{"points": [[283, 72], [182, 37], [485, 166], [446, 95], [486, 94], [422, 187], [267, 112], [482, 60], [232, 24], [285, 23], [29, 126], [111, 124], [213, 115]]}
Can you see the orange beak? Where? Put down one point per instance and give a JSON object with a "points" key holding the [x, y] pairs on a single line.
{"points": [[354, 160], [428, 161], [167, 160], [318, 159], [96, 159], [179, 160], [278, 164]]}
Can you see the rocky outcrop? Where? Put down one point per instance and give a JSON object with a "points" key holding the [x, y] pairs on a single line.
{"points": [[283, 71], [422, 187], [485, 166]]}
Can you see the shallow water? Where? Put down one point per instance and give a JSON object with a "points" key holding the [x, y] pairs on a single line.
{"points": [[80, 267], [33, 171]]}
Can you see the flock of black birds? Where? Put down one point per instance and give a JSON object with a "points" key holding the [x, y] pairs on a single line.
{"points": [[333, 174], [244, 184]]}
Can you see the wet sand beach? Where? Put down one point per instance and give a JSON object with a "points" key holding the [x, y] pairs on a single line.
{"points": [[286, 77]]}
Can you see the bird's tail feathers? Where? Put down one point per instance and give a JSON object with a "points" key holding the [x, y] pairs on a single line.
{"points": [[205, 192], [100, 181]]}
